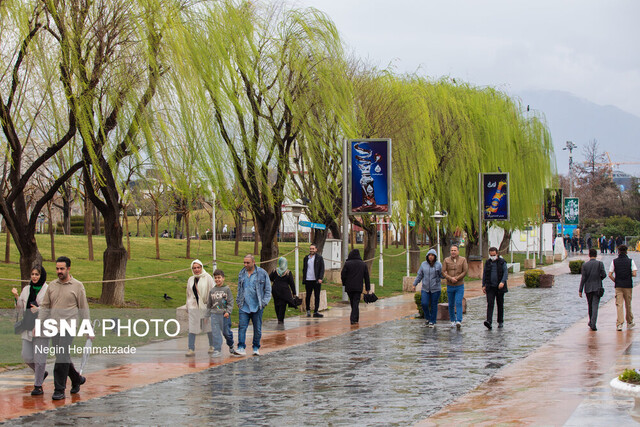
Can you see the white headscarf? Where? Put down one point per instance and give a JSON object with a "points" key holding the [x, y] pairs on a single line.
{"points": [[197, 261], [203, 291]]}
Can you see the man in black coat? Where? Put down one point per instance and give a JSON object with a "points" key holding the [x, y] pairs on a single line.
{"points": [[591, 283], [494, 285], [354, 274], [312, 278]]}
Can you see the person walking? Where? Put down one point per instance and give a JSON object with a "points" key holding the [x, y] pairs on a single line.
{"points": [[64, 299], [454, 270], [430, 274], [313, 273], [603, 244], [612, 245], [219, 309], [254, 293], [494, 286], [591, 283], [199, 287], [622, 271], [28, 303], [354, 273], [283, 289]]}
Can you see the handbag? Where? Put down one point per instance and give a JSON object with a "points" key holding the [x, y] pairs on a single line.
{"points": [[27, 323], [601, 291], [297, 301], [370, 298]]}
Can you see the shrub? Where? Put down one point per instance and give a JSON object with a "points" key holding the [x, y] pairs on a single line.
{"points": [[576, 266], [443, 295], [532, 278], [630, 376], [418, 299]]}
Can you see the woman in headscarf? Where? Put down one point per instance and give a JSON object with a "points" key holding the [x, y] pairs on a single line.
{"points": [[27, 303], [282, 288], [198, 288]]}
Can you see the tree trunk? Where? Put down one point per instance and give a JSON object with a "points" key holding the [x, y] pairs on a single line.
{"points": [[114, 260], [369, 243], [155, 231], [66, 213], [51, 236], [505, 243], [237, 219], [414, 255], [386, 234], [126, 230], [96, 221], [7, 248], [87, 226], [267, 229], [137, 226], [186, 225], [319, 239]]}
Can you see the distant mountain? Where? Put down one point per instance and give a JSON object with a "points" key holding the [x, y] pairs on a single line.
{"points": [[575, 119]]}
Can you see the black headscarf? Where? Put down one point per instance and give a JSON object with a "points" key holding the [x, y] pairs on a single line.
{"points": [[35, 287]]}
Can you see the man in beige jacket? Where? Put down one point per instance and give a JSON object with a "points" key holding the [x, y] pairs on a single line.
{"points": [[66, 299], [454, 269]]}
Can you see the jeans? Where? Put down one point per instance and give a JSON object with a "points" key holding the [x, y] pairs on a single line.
{"points": [[243, 324], [429, 301], [221, 326], [312, 286], [192, 340], [455, 295], [354, 300], [494, 296]]}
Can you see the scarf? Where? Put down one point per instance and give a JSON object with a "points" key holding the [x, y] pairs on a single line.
{"points": [[282, 266], [35, 288], [199, 286]]}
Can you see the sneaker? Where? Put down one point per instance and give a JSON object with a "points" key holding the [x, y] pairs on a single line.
{"points": [[212, 350], [316, 314], [458, 325], [453, 324], [631, 325], [487, 324], [190, 353], [76, 387], [431, 325], [500, 325], [232, 351], [308, 313], [256, 352], [37, 390], [619, 327], [216, 353], [240, 352], [58, 395]]}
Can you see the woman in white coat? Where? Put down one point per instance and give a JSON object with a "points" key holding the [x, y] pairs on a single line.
{"points": [[198, 287], [27, 303]]}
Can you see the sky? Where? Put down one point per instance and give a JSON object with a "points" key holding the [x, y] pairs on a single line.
{"points": [[586, 47]]}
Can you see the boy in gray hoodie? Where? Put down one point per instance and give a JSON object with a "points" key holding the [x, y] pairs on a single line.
{"points": [[430, 273], [220, 306]]}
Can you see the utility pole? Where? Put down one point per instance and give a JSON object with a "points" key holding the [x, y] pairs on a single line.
{"points": [[570, 146]]}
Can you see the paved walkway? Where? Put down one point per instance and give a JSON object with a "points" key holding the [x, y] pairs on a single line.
{"points": [[551, 386]]}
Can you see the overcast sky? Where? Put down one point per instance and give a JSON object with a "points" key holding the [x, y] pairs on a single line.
{"points": [[586, 47]]}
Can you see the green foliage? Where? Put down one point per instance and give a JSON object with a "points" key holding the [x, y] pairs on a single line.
{"points": [[576, 266], [444, 297], [630, 376], [417, 298], [532, 278], [621, 226]]}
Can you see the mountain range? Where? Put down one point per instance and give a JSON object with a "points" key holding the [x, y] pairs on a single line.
{"points": [[571, 118]]}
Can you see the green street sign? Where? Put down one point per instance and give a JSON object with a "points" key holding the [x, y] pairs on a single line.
{"points": [[571, 210], [412, 223]]}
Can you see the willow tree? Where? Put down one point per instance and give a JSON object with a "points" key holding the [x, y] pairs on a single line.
{"points": [[262, 68], [36, 125], [111, 63], [387, 106]]}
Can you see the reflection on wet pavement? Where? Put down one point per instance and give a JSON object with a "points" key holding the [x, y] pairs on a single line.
{"points": [[395, 373]]}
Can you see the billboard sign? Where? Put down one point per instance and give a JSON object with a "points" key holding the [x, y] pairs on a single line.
{"points": [[571, 210], [553, 205], [495, 190], [370, 183]]}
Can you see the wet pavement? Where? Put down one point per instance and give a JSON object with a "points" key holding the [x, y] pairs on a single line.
{"points": [[396, 373]]}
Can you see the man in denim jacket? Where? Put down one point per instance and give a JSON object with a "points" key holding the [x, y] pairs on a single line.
{"points": [[254, 293], [430, 273]]}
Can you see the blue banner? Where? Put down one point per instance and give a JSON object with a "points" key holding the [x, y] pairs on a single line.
{"points": [[370, 176], [495, 190]]}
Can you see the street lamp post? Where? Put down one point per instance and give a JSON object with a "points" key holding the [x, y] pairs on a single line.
{"points": [[296, 211], [213, 230], [438, 217], [570, 146]]}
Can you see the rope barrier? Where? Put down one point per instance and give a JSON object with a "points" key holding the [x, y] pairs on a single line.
{"points": [[217, 261]]}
